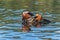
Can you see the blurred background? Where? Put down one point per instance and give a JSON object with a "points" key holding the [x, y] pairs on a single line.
{"points": [[35, 5], [10, 19]]}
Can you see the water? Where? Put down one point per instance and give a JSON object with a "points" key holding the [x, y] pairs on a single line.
{"points": [[10, 27]]}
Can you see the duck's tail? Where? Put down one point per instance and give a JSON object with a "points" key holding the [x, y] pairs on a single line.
{"points": [[45, 21]]}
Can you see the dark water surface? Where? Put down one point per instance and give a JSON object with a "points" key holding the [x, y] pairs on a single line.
{"points": [[10, 27]]}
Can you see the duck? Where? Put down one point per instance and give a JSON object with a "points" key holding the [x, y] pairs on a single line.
{"points": [[39, 20], [25, 16], [36, 21]]}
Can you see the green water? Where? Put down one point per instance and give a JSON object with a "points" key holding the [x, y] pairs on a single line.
{"points": [[10, 21], [10, 26]]}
